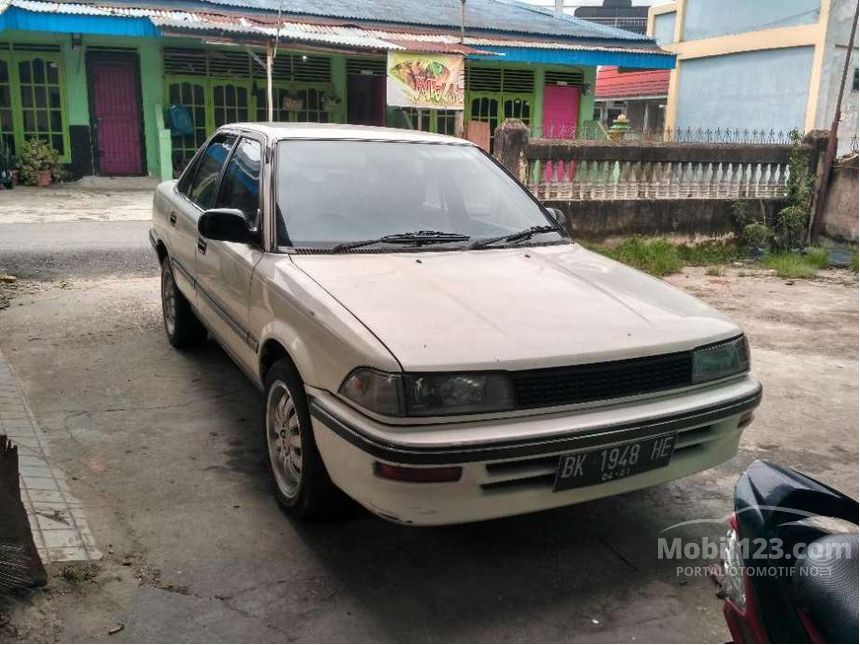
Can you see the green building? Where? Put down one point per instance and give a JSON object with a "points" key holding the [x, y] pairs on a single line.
{"points": [[103, 81]]}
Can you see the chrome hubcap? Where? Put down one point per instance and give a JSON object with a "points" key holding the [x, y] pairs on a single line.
{"points": [[284, 439], [168, 300]]}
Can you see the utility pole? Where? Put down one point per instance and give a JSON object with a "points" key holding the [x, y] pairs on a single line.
{"points": [[270, 59], [271, 52], [815, 221], [559, 7], [462, 21]]}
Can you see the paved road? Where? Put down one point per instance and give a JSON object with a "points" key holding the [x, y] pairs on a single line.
{"points": [[79, 249]]}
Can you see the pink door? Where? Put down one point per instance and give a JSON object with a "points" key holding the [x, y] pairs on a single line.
{"points": [[560, 111], [560, 118], [116, 116]]}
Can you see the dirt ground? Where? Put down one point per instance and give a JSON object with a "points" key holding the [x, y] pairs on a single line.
{"points": [[162, 448]]}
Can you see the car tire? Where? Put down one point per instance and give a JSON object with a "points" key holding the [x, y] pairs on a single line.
{"points": [[301, 483], [184, 329]]}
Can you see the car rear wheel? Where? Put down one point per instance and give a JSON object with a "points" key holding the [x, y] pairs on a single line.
{"points": [[181, 324], [302, 485]]}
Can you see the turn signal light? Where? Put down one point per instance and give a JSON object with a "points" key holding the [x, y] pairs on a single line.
{"points": [[417, 475]]}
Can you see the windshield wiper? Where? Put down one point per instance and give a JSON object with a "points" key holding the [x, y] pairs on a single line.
{"points": [[519, 236], [414, 237]]}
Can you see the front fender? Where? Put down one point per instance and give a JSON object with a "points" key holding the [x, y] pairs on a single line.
{"points": [[325, 341]]}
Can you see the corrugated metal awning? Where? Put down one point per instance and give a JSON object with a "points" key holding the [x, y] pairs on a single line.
{"points": [[331, 33]]}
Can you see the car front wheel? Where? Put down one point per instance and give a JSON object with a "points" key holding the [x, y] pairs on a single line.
{"points": [[302, 485], [181, 324]]}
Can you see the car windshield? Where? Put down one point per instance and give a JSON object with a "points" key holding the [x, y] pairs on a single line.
{"points": [[336, 192]]}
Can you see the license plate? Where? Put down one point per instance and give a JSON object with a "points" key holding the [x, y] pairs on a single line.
{"points": [[621, 460]]}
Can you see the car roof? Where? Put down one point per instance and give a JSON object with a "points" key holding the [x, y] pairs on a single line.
{"points": [[338, 131]]}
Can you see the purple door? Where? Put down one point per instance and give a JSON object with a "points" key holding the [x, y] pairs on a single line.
{"points": [[116, 116]]}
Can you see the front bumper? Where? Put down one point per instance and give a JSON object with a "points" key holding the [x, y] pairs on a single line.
{"points": [[509, 464]]}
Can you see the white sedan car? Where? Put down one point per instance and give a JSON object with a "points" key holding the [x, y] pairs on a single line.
{"points": [[429, 340]]}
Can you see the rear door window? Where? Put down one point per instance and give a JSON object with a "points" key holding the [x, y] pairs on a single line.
{"points": [[240, 187], [204, 186]]}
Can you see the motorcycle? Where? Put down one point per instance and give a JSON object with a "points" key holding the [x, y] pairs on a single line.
{"points": [[789, 571]]}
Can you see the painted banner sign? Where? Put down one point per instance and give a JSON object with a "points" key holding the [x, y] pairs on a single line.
{"points": [[425, 80]]}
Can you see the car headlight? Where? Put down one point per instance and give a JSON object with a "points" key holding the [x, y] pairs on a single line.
{"points": [[377, 391], [437, 394], [721, 360], [423, 395]]}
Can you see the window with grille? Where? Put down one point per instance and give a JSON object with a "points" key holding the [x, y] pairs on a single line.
{"points": [[365, 66], [417, 118], [7, 134], [41, 101], [565, 77], [427, 120], [445, 121], [32, 102], [498, 93], [191, 95], [292, 103], [230, 103], [225, 86]]}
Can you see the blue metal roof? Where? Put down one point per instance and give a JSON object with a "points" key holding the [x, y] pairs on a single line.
{"points": [[628, 58], [484, 15], [14, 18]]}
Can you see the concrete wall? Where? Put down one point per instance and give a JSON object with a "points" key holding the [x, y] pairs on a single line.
{"points": [[760, 89], [596, 220], [710, 18], [840, 205], [664, 28]]}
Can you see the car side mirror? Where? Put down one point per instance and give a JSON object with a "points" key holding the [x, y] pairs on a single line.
{"points": [[224, 224], [559, 217]]}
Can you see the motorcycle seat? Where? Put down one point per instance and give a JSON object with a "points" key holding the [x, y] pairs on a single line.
{"points": [[824, 582]]}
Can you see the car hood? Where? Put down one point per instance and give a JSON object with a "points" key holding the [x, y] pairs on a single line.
{"points": [[513, 308]]}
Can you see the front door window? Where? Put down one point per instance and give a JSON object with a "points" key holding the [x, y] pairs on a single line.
{"points": [[203, 187], [240, 187]]}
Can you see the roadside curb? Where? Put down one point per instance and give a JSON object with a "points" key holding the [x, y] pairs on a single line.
{"points": [[60, 528]]}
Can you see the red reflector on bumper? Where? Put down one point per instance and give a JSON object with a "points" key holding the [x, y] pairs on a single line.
{"points": [[417, 475]]}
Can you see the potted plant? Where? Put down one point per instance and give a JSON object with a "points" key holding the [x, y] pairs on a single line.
{"points": [[37, 163], [330, 102], [619, 128]]}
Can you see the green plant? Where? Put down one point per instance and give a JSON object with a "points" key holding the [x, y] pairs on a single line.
{"points": [[817, 257], [854, 262], [60, 173], [792, 221], [658, 257], [789, 265], [756, 236], [709, 252], [36, 156], [741, 215], [715, 271], [791, 227]]}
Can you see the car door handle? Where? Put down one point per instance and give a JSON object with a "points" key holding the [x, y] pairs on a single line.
{"points": [[172, 219], [201, 245]]}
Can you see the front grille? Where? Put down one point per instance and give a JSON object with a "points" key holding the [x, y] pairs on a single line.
{"points": [[602, 381]]}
